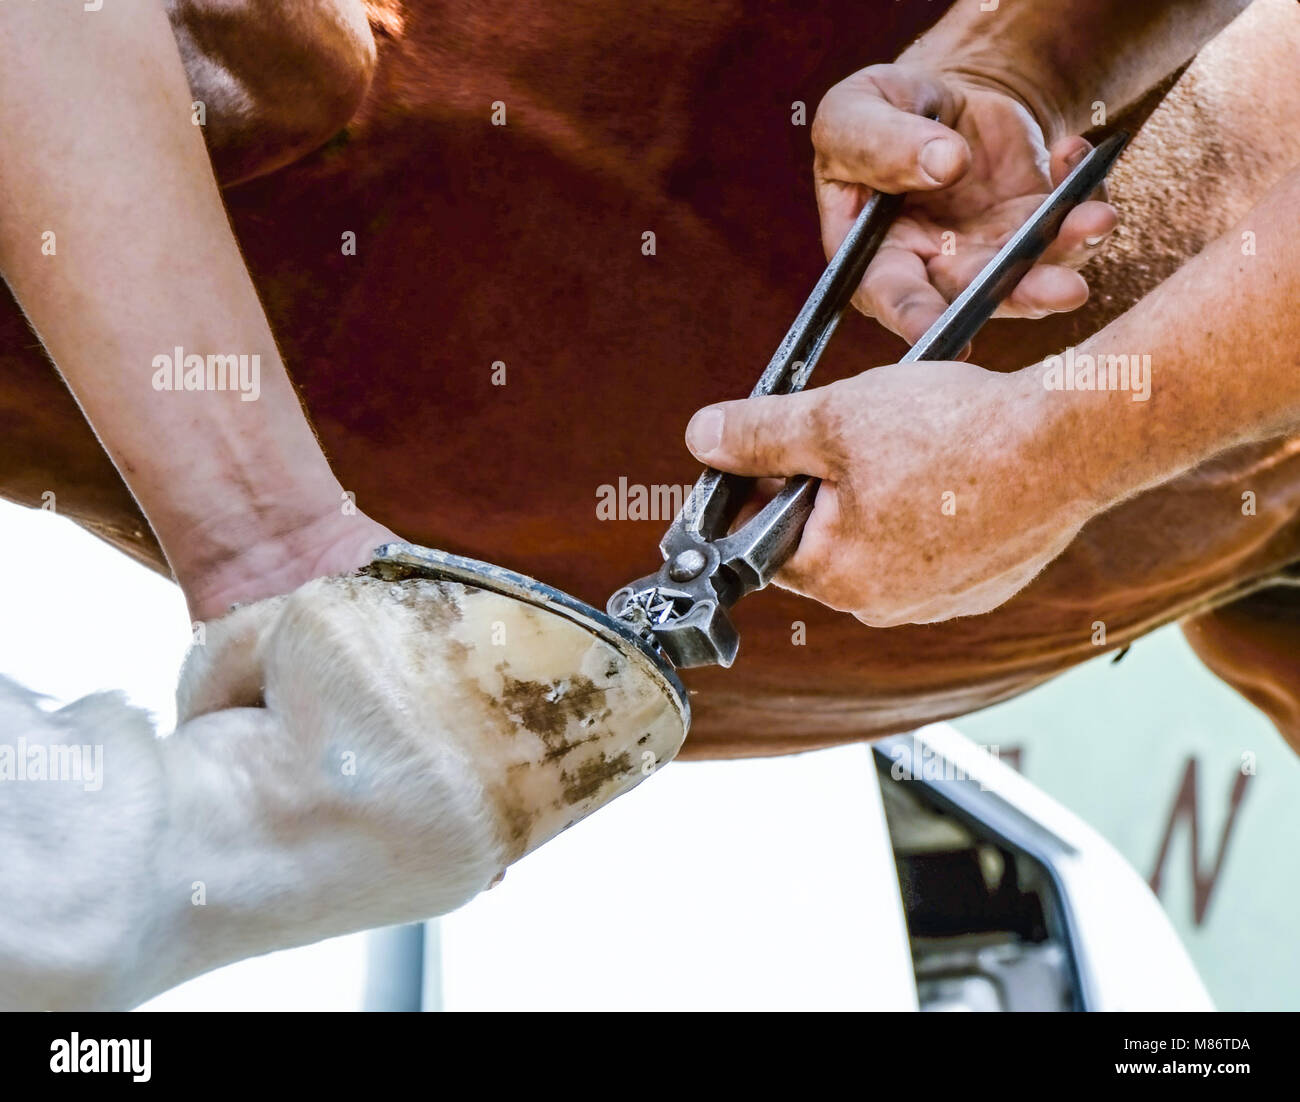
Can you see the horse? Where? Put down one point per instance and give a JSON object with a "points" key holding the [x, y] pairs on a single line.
{"points": [[570, 228]]}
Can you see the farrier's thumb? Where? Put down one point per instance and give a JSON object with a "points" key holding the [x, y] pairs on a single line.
{"points": [[772, 436], [880, 134]]}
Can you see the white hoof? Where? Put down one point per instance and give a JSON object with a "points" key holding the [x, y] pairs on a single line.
{"points": [[359, 753]]}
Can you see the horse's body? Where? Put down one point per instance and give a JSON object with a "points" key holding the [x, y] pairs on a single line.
{"points": [[522, 245]]}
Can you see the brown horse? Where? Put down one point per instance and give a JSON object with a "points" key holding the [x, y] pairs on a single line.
{"points": [[501, 166]]}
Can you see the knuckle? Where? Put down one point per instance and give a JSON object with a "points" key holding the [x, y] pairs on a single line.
{"points": [[876, 280], [827, 130], [865, 303], [876, 293], [821, 130], [911, 303], [908, 314]]}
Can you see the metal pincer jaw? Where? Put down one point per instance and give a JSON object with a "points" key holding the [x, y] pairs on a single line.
{"points": [[684, 619], [683, 608]]}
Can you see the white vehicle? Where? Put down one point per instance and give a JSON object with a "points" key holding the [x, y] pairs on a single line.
{"points": [[976, 891], [1013, 902]]}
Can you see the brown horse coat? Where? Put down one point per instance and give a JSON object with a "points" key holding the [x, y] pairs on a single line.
{"points": [[522, 245]]}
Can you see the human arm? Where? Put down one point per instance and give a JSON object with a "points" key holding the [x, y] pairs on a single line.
{"points": [[1013, 89], [1026, 466], [100, 153]]}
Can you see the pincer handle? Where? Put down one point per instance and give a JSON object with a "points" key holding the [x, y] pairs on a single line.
{"points": [[777, 527]]}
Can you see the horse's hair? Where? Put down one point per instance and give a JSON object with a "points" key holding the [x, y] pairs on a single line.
{"points": [[357, 754]]}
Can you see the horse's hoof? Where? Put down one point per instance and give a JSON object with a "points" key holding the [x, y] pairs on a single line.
{"points": [[554, 708]]}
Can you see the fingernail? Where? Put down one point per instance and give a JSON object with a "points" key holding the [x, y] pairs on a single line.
{"points": [[1093, 242], [939, 159], [704, 433], [1074, 158]]}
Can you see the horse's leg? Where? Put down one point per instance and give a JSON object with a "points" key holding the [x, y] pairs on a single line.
{"points": [[360, 753], [1253, 645]]}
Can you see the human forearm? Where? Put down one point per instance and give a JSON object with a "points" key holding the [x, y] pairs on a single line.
{"points": [[1223, 347], [114, 239], [1058, 57]]}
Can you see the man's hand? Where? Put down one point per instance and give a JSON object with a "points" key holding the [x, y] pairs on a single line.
{"points": [[946, 488], [943, 491], [973, 178], [249, 556]]}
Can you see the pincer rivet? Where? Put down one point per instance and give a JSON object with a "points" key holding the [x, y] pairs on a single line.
{"points": [[687, 565]]}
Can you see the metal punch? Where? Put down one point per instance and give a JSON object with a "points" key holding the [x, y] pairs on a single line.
{"points": [[683, 608]]}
